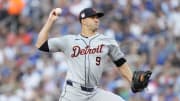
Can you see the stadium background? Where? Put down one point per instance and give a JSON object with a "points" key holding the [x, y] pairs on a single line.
{"points": [[148, 32]]}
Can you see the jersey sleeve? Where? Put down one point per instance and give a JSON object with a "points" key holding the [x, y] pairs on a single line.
{"points": [[57, 44], [114, 51]]}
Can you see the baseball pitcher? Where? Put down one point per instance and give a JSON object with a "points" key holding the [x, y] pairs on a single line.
{"points": [[86, 53]]}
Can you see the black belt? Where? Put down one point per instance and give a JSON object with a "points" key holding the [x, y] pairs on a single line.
{"points": [[82, 87]]}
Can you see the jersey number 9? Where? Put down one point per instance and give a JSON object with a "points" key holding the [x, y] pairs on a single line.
{"points": [[98, 60]]}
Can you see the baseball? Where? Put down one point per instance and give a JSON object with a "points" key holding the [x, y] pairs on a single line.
{"points": [[58, 11]]}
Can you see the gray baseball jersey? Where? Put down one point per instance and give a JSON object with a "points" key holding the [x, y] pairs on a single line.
{"points": [[86, 56]]}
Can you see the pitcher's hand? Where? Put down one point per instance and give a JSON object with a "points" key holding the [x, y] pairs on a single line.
{"points": [[54, 14]]}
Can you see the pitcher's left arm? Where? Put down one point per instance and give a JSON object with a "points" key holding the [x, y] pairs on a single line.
{"points": [[126, 72]]}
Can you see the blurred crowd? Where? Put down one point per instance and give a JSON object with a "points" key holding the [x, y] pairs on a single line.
{"points": [[148, 32]]}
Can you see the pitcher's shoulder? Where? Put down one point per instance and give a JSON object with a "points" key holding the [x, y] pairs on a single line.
{"points": [[106, 38]]}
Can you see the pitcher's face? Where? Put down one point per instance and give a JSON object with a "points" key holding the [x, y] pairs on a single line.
{"points": [[92, 23]]}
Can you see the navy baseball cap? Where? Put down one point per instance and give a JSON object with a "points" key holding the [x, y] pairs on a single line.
{"points": [[89, 12]]}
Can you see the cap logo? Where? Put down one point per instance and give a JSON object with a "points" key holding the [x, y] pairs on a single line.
{"points": [[82, 15]]}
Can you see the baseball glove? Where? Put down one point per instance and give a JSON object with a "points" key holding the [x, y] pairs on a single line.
{"points": [[140, 80]]}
